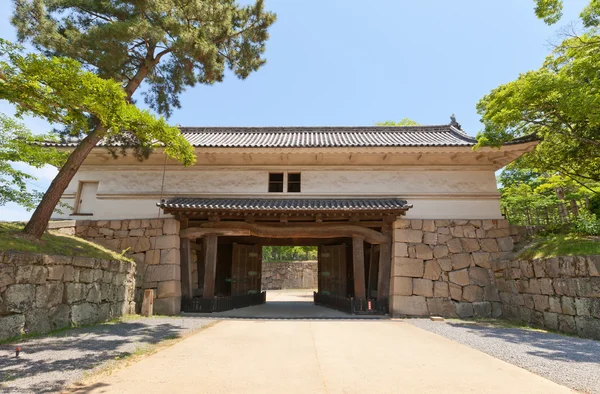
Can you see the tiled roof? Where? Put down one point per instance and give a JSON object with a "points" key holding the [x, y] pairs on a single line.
{"points": [[284, 204]]}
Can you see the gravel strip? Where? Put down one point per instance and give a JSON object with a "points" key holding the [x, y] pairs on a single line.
{"points": [[48, 364], [569, 361]]}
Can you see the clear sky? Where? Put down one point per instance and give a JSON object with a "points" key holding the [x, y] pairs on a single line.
{"points": [[351, 62]]}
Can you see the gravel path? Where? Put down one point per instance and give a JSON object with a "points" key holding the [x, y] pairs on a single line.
{"points": [[572, 362], [51, 363]]}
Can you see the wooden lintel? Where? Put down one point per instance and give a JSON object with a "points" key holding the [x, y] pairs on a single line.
{"points": [[296, 230]]}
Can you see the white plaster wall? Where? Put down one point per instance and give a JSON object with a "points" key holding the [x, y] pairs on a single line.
{"points": [[434, 194]]}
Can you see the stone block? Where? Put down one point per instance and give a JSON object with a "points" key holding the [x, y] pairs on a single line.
{"points": [[158, 273], [554, 305], [84, 262], [461, 260], [400, 249], [567, 324], [440, 289], [19, 297], [441, 307], [409, 306], [528, 301], [165, 242], [167, 306], [445, 264], [55, 294], [482, 259], [430, 238], [432, 270], [423, 287], [138, 232], [470, 245], [94, 294], [455, 291], [36, 320], [142, 245], [152, 257], [460, 277], [491, 293], [583, 306], [551, 320], [170, 226], [402, 286], [428, 225], [86, 276], [401, 224], [552, 267], [408, 267], [489, 245], [497, 310], [581, 266], [56, 272], [104, 312], [416, 224], [588, 327], [534, 286], [482, 309], [405, 235], [464, 309], [566, 266], [457, 231], [454, 245], [107, 232], [84, 313], [539, 268], [73, 292], [568, 306], [470, 231], [169, 289], [546, 286], [57, 260], [440, 251], [479, 276], [11, 326], [472, 293], [31, 274], [593, 263], [506, 244], [542, 303], [170, 256], [442, 223]]}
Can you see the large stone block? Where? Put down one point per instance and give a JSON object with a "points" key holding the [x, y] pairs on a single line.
{"points": [[432, 270], [568, 306], [567, 324], [402, 286], [441, 307], [31, 274], [445, 264], [405, 235], [542, 303], [169, 289], [491, 293], [165, 242], [428, 225], [158, 273], [440, 289], [506, 244], [470, 245], [482, 309], [401, 224], [482, 259], [84, 313], [170, 227], [552, 267], [11, 326], [489, 245], [455, 291], [583, 306], [36, 320], [460, 277], [472, 293], [7, 275], [170, 256], [423, 252], [400, 249], [479, 276], [167, 306], [440, 251], [19, 297], [554, 305], [408, 267], [454, 245], [464, 309], [409, 306], [430, 238], [594, 265], [588, 327], [423, 287]]}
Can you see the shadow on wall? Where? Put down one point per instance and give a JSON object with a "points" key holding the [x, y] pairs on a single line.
{"points": [[78, 350], [556, 347]]}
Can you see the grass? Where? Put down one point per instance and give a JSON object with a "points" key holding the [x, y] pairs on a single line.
{"points": [[52, 243], [560, 245]]}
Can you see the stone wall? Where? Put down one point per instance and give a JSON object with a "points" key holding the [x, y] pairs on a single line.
{"points": [[154, 245], [442, 267], [289, 275], [40, 293], [560, 293]]}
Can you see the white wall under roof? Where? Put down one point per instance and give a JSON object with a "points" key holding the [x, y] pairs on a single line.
{"points": [[133, 194]]}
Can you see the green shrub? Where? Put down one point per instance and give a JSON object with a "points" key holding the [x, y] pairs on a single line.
{"points": [[587, 224], [595, 204]]}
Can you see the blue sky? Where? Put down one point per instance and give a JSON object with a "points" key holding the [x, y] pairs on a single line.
{"points": [[343, 62]]}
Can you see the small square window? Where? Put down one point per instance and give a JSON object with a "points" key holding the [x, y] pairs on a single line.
{"points": [[294, 183], [276, 182]]}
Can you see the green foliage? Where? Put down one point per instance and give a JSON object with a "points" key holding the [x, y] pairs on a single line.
{"points": [[560, 245], [52, 244], [550, 11], [403, 122], [595, 204], [560, 104], [170, 44], [59, 91], [289, 253], [587, 224], [18, 144]]}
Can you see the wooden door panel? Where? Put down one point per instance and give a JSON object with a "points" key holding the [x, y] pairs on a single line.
{"points": [[332, 269], [245, 269]]}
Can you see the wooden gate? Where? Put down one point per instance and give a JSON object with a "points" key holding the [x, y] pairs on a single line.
{"points": [[332, 270], [245, 269]]}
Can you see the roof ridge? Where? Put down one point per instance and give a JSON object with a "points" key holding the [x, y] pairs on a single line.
{"points": [[282, 129]]}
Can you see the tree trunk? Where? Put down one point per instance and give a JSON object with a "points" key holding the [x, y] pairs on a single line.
{"points": [[41, 216]]}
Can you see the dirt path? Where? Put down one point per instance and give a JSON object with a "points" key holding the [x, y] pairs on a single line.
{"points": [[297, 356]]}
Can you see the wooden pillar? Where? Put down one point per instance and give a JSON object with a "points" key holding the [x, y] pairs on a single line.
{"points": [[186, 268], [373, 268], [385, 264], [210, 265], [358, 262]]}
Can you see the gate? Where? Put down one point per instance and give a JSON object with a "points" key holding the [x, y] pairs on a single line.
{"points": [[332, 270], [245, 269]]}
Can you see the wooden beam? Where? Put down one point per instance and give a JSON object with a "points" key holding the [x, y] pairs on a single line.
{"points": [[385, 264], [210, 265], [186, 267], [358, 264], [297, 230], [373, 268]]}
